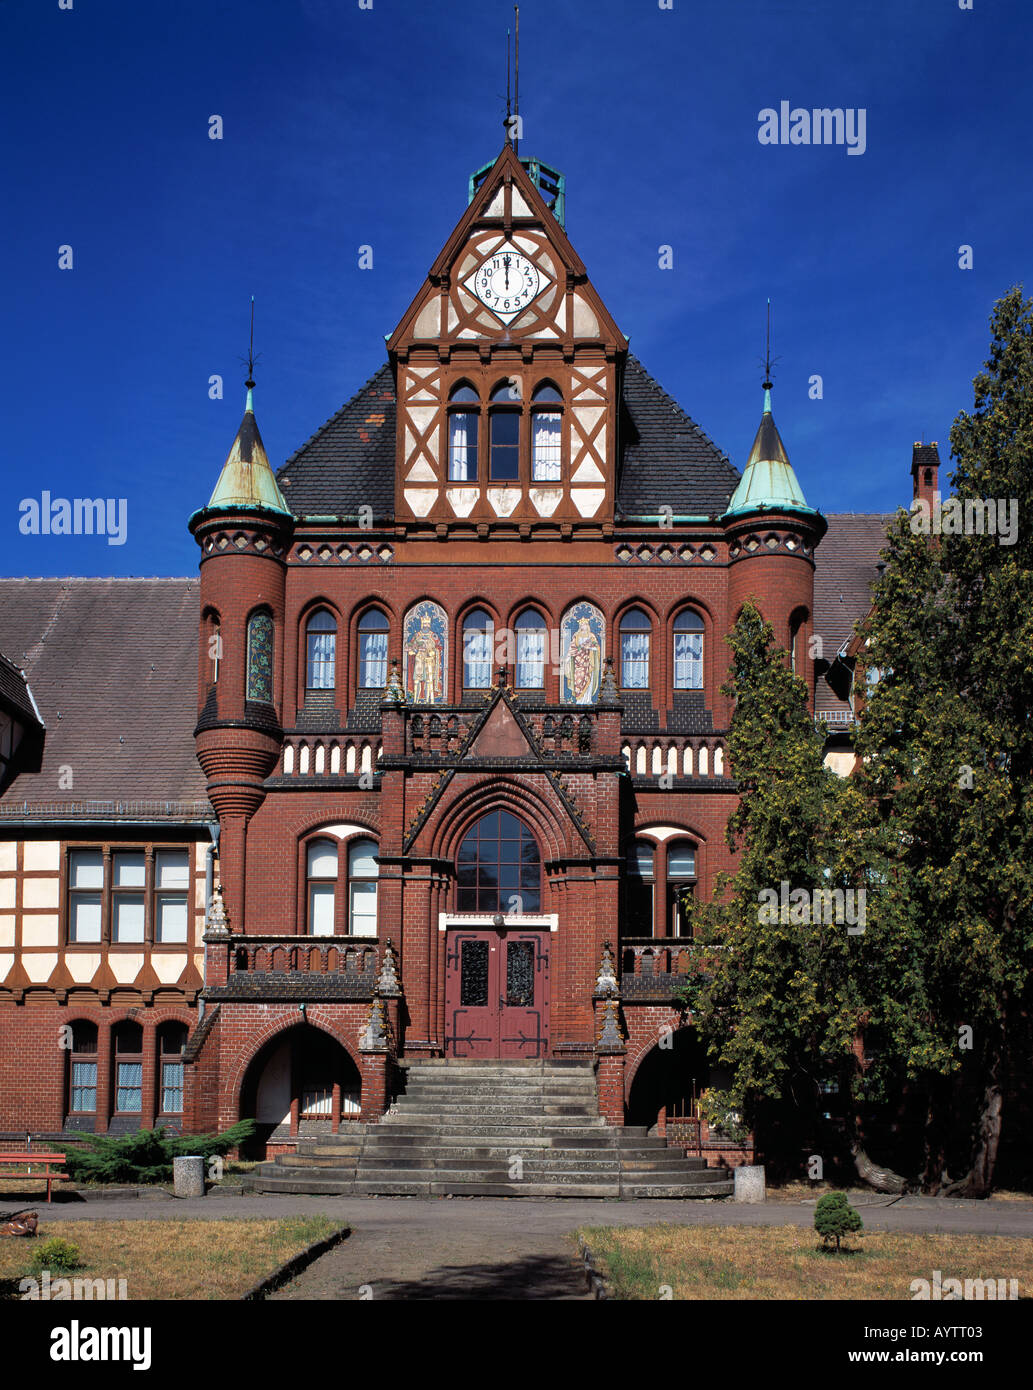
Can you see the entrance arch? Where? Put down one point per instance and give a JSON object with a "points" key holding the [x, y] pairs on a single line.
{"points": [[301, 1082], [668, 1081]]}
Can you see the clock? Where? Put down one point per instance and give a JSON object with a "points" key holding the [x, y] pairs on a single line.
{"points": [[506, 282]]}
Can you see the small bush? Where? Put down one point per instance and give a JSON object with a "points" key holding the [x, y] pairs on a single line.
{"points": [[147, 1155], [834, 1218], [56, 1254]]}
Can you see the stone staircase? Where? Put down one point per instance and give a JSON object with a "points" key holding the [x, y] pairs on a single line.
{"points": [[493, 1129]]}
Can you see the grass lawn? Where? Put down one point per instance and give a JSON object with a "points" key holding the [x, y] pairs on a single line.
{"points": [[755, 1262], [171, 1259]]}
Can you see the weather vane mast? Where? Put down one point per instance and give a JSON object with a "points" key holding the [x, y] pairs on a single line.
{"points": [[769, 361], [512, 121], [251, 358]]}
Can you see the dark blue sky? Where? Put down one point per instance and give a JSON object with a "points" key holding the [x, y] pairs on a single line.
{"points": [[345, 127]]}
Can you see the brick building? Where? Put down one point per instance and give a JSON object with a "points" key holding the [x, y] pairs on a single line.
{"points": [[442, 716]]}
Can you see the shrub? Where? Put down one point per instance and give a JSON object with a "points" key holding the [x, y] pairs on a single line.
{"points": [[147, 1155], [834, 1218], [56, 1254]]}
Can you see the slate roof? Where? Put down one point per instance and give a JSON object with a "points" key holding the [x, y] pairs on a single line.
{"points": [[844, 571], [113, 668], [665, 458]]}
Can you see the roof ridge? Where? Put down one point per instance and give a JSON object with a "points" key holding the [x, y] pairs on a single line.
{"points": [[680, 408], [386, 366], [98, 578]]}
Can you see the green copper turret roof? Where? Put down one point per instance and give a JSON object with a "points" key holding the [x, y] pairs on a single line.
{"points": [[246, 479], [768, 482]]}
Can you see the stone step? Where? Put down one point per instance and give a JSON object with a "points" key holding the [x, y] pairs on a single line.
{"points": [[662, 1190], [315, 1161], [447, 1188]]}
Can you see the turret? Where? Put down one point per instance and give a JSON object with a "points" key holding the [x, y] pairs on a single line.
{"points": [[244, 533], [772, 534]]}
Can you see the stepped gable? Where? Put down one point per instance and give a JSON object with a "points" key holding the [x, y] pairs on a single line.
{"points": [[665, 458], [112, 664]]}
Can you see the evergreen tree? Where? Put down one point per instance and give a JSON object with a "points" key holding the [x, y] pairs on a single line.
{"points": [[946, 745]]}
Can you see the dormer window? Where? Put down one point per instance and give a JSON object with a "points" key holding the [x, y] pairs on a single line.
{"points": [[463, 423], [546, 435], [504, 463]]}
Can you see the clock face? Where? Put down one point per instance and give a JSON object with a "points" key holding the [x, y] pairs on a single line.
{"points": [[506, 282]]}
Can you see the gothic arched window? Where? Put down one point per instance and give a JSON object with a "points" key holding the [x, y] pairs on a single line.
{"points": [[530, 650], [499, 868], [478, 633], [321, 649], [546, 435], [635, 630], [373, 630], [504, 464], [463, 424], [688, 651]]}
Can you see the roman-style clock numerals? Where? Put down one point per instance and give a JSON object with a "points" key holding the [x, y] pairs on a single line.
{"points": [[506, 282]]}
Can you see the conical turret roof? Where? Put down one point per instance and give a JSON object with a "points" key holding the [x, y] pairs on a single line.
{"points": [[246, 479], [768, 482]]}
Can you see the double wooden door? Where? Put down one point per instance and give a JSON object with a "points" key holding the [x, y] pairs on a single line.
{"points": [[497, 993]]}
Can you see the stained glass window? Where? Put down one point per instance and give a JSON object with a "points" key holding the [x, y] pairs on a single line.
{"points": [[260, 657], [499, 867]]}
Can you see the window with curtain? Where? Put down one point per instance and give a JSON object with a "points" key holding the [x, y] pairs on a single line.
{"points": [[639, 884], [462, 436], [546, 434], [530, 650], [478, 633], [82, 1076], [688, 651], [321, 860], [85, 894], [635, 630], [681, 878], [128, 1068], [504, 462], [321, 649], [128, 880], [498, 868], [373, 630], [260, 657], [171, 1041], [362, 888]]}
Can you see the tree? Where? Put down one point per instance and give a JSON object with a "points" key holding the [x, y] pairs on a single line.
{"points": [[781, 1000], [946, 747], [834, 1218]]}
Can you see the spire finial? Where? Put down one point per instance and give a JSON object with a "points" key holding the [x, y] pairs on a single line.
{"points": [[769, 362], [250, 360], [516, 80]]}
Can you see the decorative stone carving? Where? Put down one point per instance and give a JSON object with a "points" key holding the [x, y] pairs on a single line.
{"points": [[218, 923], [606, 983], [610, 1038], [374, 1037], [388, 982]]}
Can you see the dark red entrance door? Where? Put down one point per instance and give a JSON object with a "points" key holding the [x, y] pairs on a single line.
{"points": [[497, 993]]}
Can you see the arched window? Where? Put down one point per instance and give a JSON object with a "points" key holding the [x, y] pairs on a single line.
{"points": [[127, 1041], [640, 879], [362, 888], [546, 435], [499, 868], [681, 879], [373, 629], [172, 1039], [504, 464], [688, 651], [463, 426], [213, 653], [796, 633], [321, 650], [82, 1070], [635, 630], [530, 650], [321, 860], [478, 633], [260, 657]]}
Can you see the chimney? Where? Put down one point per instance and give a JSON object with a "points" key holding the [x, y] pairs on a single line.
{"points": [[925, 471]]}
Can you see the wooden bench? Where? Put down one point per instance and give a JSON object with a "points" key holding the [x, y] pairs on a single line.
{"points": [[48, 1162]]}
